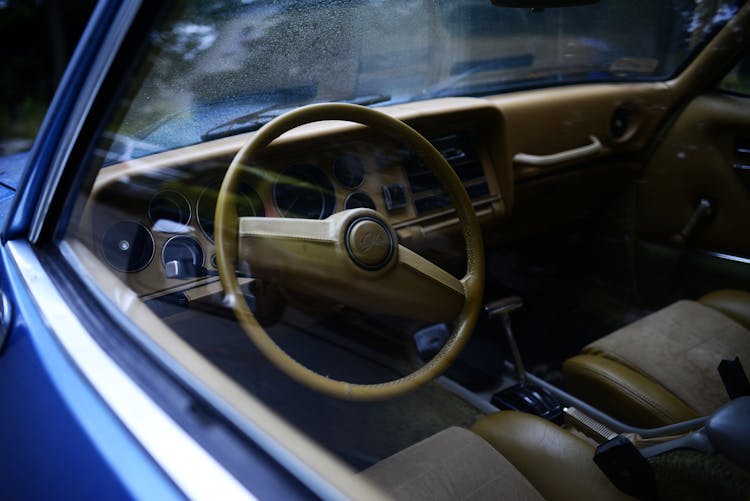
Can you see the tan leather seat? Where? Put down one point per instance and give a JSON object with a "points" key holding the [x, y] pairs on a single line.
{"points": [[662, 369], [507, 455]]}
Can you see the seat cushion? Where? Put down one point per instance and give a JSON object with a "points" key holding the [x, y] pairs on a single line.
{"points": [[680, 348], [732, 303], [454, 464], [623, 393], [557, 463]]}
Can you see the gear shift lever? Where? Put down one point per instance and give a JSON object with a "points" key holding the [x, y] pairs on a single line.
{"points": [[524, 396], [503, 308]]}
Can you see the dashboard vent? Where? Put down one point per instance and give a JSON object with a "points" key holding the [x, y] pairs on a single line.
{"points": [[460, 153]]}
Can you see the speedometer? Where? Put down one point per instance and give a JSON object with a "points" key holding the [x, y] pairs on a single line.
{"points": [[247, 203]]}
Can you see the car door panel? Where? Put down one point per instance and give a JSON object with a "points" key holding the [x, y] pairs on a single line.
{"points": [[555, 120], [684, 251], [695, 160]]}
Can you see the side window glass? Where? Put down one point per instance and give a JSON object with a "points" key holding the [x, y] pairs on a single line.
{"points": [[737, 81]]}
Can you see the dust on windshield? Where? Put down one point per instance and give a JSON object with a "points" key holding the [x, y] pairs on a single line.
{"points": [[219, 68]]}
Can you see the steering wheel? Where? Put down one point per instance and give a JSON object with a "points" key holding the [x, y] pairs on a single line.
{"points": [[352, 257]]}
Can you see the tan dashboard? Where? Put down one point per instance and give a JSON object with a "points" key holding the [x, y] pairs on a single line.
{"points": [[151, 219], [147, 217]]}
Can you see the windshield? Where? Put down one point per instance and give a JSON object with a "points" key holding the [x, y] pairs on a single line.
{"points": [[218, 68]]}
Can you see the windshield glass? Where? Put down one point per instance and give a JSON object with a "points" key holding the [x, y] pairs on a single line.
{"points": [[219, 68]]}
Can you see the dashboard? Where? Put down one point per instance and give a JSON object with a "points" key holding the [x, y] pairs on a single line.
{"points": [[151, 220]]}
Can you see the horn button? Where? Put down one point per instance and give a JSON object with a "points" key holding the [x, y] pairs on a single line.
{"points": [[369, 243]]}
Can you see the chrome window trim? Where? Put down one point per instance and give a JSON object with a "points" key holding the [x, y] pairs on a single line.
{"points": [[298, 468], [195, 472], [79, 113]]}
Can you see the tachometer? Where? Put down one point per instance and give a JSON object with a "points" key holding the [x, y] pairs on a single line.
{"points": [[304, 191], [169, 212], [349, 170]]}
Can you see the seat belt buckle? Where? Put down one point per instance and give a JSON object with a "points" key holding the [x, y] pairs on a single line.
{"points": [[734, 378], [626, 468]]}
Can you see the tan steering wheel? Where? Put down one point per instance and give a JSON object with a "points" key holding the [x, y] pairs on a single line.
{"points": [[352, 257]]}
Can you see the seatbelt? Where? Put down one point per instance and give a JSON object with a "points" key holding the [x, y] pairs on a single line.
{"points": [[626, 468], [734, 378]]}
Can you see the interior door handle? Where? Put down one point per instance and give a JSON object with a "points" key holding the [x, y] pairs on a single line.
{"points": [[562, 156]]}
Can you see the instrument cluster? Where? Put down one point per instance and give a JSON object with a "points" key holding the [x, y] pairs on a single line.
{"points": [[156, 228]]}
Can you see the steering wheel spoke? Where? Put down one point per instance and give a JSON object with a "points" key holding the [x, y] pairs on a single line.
{"points": [[352, 258], [431, 293]]}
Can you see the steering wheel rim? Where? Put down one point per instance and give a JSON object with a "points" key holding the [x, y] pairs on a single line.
{"points": [[226, 224]]}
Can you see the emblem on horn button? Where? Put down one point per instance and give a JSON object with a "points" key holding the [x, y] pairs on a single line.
{"points": [[369, 243]]}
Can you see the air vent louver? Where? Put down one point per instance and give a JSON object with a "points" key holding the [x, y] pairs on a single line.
{"points": [[460, 153]]}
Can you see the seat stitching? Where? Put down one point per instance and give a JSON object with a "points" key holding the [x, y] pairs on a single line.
{"points": [[434, 470], [477, 489], [614, 358], [643, 399]]}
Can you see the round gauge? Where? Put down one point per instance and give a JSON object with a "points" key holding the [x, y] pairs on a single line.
{"points": [[303, 191], [359, 200], [389, 157], [349, 170], [169, 212], [183, 249], [128, 246], [247, 203]]}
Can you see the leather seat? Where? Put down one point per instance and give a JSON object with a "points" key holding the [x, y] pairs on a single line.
{"points": [[662, 369], [507, 455]]}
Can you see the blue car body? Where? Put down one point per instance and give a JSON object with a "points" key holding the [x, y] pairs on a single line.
{"points": [[59, 439]]}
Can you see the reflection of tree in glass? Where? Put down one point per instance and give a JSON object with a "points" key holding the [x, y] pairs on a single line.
{"points": [[222, 61], [188, 40]]}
